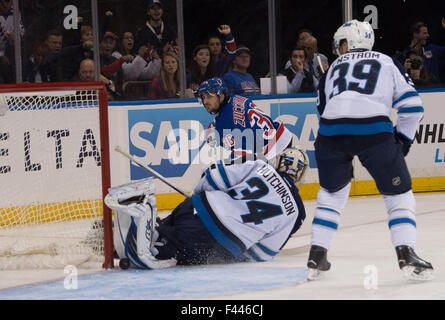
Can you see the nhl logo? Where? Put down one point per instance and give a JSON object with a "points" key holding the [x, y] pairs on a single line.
{"points": [[396, 181]]}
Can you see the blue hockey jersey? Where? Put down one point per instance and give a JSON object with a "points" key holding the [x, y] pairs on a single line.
{"points": [[245, 130]]}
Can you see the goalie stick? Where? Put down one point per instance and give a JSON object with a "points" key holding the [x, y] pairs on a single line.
{"points": [[150, 170]]}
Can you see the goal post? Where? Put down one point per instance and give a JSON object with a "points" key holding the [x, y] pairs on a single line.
{"points": [[54, 173]]}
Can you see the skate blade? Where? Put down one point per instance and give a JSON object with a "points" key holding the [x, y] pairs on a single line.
{"points": [[413, 273], [315, 274]]}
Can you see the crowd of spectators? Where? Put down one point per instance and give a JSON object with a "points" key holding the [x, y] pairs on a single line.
{"points": [[144, 63]]}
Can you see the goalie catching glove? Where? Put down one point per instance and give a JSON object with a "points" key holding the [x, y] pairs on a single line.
{"points": [[132, 198], [135, 216]]}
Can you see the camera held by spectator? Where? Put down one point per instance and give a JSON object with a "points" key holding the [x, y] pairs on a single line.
{"points": [[415, 67], [415, 63]]}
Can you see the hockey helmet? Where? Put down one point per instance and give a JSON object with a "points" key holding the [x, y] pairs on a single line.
{"points": [[294, 162], [358, 34], [212, 85]]}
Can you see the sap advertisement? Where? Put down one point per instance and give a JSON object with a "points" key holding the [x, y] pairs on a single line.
{"points": [[170, 137]]}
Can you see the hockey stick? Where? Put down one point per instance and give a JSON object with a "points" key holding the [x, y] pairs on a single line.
{"points": [[150, 170], [319, 63]]}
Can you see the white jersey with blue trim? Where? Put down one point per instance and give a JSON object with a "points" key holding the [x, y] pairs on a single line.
{"points": [[249, 208], [356, 95]]}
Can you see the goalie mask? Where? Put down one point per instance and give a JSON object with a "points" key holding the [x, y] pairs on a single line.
{"points": [[293, 162], [359, 35]]}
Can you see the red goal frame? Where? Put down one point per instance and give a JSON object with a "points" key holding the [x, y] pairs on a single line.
{"points": [[104, 150]]}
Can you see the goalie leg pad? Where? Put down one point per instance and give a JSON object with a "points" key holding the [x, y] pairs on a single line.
{"points": [[145, 244], [135, 236]]}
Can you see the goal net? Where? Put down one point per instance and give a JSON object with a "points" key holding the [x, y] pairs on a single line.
{"points": [[54, 173]]}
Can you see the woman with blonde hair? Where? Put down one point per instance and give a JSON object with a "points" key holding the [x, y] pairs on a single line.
{"points": [[166, 86]]}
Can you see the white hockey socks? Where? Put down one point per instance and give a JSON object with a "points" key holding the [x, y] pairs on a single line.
{"points": [[327, 215], [401, 218]]}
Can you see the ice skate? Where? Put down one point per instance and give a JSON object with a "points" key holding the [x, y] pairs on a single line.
{"points": [[413, 267], [317, 263]]}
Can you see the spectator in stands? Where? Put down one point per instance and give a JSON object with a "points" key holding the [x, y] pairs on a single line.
{"points": [[86, 35], [54, 40], [415, 66], [433, 54], [86, 70], [223, 59], [111, 67], [7, 61], [146, 64], [202, 68], [302, 35], [166, 86], [36, 68], [156, 32], [299, 79], [69, 58], [7, 26], [125, 46], [87, 73], [317, 63], [238, 80]]}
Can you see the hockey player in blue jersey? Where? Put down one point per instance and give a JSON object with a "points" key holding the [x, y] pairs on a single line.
{"points": [[355, 99], [239, 126], [238, 213]]}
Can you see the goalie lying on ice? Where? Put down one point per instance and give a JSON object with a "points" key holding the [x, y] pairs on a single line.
{"points": [[238, 213]]}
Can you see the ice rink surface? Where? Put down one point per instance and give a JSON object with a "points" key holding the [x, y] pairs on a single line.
{"points": [[364, 267]]}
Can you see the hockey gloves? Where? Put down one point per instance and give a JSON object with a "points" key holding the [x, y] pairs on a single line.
{"points": [[404, 143], [135, 198]]}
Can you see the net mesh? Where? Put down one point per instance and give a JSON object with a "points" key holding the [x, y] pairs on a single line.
{"points": [[50, 172]]}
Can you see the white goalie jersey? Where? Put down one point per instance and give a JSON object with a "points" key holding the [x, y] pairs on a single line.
{"points": [[249, 208], [385, 84]]}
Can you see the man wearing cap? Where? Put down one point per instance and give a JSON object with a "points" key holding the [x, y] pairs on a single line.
{"points": [[238, 80], [156, 33]]}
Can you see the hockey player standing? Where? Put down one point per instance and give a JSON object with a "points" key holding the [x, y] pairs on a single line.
{"points": [[238, 213], [355, 98], [239, 126]]}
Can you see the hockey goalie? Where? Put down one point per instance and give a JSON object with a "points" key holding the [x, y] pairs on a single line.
{"points": [[238, 213]]}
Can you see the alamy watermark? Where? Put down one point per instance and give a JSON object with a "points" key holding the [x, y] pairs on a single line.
{"points": [[370, 282], [70, 281]]}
